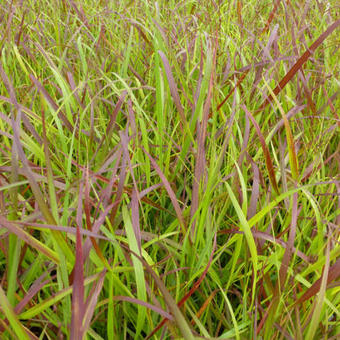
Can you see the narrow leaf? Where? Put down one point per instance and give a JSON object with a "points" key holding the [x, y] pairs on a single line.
{"points": [[269, 163], [78, 292], [12, 317], [295, 68]]}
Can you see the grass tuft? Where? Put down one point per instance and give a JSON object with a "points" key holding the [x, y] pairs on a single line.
{"points": [[169, 169]]}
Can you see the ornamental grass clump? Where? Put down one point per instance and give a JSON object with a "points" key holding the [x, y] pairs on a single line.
{"points": [[169, 169]]}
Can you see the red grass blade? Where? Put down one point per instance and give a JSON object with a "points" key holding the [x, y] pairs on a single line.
{"points": [[271, 16], [239, 82], [295, 68], [334, 273], [269, 163]]}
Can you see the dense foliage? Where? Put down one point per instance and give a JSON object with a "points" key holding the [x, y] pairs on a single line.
{"points": [[169, 169]]}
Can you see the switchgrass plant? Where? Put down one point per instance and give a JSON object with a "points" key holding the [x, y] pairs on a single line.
{"points": [[169, 169]]}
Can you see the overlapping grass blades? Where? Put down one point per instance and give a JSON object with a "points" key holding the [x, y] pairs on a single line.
{"points": [[169, 169]]}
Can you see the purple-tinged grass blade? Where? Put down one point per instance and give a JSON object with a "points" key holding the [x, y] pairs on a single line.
{"points": [[33, 290], [79, 214], [147, 190], [74, 89], [329, 103], [201, 140], [91, 301], [120, 187], [192, 290], [170, 192], [290, 114], [255, 191], [269, 163], [53, 104], [113, 117], [173, 86], [40, 247], [71, 230], [179, 319], [156, 309], [297, 66], [96, 226], [9, 87], [112, 180], [112, 121], [78, 292], [51, 187], [37, 193], [239, 82], [80, 13], [7, 29], [135, 218], [265, 54], [53, 299], [14, 245], [244, 143], [290, 245], [268, 237], [135, 198], [205, 305], [201, 278], [13, 100], [308, 92], [87, 210]]}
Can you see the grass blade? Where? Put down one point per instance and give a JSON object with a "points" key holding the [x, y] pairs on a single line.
{"points": [[173, 87], [138, 269], [170, 192], [320, 299], [245, 227], [290, 140], [78, 293], [45, 304], [12, 317], [39, 246], [269, 163], [39, 196], [91, 302], [297, 66]]}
